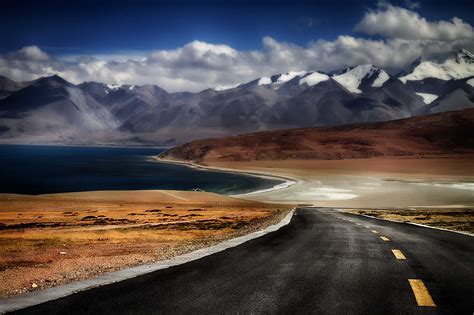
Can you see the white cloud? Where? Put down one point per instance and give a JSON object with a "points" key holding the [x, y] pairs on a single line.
{"points": [[396, 22], [199, 65], [32, 53]]}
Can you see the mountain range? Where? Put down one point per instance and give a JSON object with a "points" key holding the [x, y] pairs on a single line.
{"points": [[52, 110]]}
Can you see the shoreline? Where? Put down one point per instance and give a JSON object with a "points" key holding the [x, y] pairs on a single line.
{"points": [[359, 183], [287, 180]]}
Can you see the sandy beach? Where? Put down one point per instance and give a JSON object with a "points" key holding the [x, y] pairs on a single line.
{"points": [[375, 182]]}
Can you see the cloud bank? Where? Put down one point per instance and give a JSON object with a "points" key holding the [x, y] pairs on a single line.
{"points": [[396, 22], [403, 37]]}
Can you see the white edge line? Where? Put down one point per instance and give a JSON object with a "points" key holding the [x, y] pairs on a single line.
{"points": [[42, 296], [283, 185], [411, 223]]}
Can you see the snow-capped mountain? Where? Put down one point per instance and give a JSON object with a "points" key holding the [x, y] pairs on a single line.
{"points": [[314, 78], [442, 85], [275, 81], [458, 67], [350, 78], [353, 78], [53, 110]]}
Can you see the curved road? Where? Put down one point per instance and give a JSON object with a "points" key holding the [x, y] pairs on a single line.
{"points": [[323, 262]]}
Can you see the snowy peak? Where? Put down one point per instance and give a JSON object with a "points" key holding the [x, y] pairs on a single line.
{"points": [[117, 87], [470, 82], [114, 87], [464, 56], [382, 77], [283, 78], [427, 97], [276, 80], [352, 78], [458, 67], [314, 78], [279, 79], [226, 87]]}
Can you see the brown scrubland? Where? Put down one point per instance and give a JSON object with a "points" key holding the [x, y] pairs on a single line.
{"points": [[48, 240], [443, 134], [461, 220]]}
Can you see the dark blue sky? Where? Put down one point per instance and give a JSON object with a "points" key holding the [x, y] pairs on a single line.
{"points": [[76, 27]]}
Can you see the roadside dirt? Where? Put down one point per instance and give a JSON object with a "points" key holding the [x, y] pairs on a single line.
{"points": [[48, 240]]}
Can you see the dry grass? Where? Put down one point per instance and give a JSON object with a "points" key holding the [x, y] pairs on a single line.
{"points": [[452, 219], [52, 239]]}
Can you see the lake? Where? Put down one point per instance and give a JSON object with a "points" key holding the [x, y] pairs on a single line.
{"points": [[34, 169]]}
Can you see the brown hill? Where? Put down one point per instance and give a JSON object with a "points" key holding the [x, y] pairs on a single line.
{"points": [[449, 133]]}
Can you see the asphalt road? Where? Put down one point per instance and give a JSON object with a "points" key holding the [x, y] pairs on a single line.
{"points": [[323, 262]]}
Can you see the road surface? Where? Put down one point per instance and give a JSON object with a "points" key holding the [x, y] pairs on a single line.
{"points": [[323, 262]]}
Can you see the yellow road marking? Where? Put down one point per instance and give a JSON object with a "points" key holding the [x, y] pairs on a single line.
{"points": [[422, 296], [398, 254], [374, 231], [386, 239]]}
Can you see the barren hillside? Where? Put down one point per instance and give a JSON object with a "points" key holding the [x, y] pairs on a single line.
{"points": [[449, 133]]}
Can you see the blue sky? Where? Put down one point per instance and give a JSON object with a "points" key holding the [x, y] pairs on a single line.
{"points": [[71, 27], [184, 45]]}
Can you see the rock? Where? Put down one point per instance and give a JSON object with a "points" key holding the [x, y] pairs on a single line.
{"points": [[62, 253], [34, 285]]}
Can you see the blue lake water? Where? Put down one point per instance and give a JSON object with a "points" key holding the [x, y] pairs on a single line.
{"points": [[31, 169]]}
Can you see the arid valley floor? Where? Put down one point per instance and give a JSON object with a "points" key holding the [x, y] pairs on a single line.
{"points": [[48, 240]]}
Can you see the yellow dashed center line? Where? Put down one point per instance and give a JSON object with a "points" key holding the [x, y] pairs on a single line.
{"points": [[374, 231], [384, 238], [422, 296], [398, 254]]}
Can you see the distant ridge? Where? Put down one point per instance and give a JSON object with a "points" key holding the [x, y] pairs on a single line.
{"points": [[52, 110], [448, 133]]}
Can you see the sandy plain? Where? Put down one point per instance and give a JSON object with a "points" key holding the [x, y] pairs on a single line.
{"points": [[47, 240], [375, 182]]}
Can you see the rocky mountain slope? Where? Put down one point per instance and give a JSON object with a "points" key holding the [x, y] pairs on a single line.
{"points": [[52, 110], [448, 133]]}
